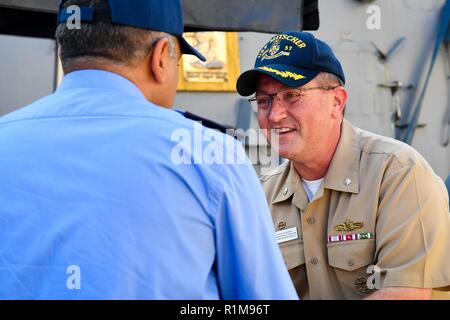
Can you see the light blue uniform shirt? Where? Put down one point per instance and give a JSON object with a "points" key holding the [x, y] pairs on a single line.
{"points": [[92, 205]]}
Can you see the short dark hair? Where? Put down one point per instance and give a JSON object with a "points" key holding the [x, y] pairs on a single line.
{"points": [[115, 43]]}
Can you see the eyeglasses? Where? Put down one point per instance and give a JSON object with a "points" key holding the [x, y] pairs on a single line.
{"points": [[286, 97]]}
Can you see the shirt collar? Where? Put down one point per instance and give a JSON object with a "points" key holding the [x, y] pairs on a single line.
{"points": [[342, 174], [99, 79], [292, 182]]}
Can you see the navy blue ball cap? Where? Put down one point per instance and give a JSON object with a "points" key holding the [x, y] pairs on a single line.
{"points": [[156, 15], [292, 58]]}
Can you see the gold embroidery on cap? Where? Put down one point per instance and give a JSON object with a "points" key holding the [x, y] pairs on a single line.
{"points": [[284, 74], [349, 225], [274, 51], [274, 48], [299, 43]]}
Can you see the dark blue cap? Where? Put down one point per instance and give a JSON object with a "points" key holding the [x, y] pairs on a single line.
{"points": [[157, 15], [294, 59]]}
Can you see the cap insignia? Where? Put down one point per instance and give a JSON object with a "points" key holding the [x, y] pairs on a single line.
{"points": [[284, 74]]}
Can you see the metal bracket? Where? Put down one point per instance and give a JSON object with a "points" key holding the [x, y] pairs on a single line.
{"points": [[395, 86]]}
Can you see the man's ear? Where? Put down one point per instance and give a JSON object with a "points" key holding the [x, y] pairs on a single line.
{"points": [[340, 100], [158, 60]]}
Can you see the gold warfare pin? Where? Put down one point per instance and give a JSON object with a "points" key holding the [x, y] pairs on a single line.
{"points": [[349, 225]]}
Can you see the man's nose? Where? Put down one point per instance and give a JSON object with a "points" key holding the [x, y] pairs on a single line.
{"points": [[277, 110]]}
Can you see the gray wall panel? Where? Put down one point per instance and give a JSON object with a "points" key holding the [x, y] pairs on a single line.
{"points": [[27, 70]]}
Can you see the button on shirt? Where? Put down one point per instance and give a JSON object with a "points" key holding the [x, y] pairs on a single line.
{"points": [[94, 207], [380, 219]]}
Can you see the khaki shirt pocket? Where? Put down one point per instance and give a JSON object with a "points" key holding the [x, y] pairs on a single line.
{"points": [[293, 253], [351, 255]]}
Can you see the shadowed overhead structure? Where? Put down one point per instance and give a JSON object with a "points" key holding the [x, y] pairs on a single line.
{"points": [[37, 18]]}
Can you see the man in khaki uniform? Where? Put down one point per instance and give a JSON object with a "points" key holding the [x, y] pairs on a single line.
{"points": [[357, 215]]}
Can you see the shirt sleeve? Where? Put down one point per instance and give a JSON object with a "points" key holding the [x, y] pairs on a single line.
{"points": [[413, 226], [249, 263]]}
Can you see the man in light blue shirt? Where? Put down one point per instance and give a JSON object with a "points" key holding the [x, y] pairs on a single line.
{"points": [[95, 202]]}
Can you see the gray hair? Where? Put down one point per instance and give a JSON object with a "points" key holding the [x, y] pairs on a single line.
{"points": [[124, 45], [326, 79], [329, 79]]}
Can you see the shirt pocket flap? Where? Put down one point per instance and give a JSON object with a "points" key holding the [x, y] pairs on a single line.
{"points": [[293, 253], [351, 256]]}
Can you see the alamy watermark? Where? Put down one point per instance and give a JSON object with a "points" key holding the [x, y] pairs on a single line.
{"points": [[73, 281], [373, 21], [74, 17], [200, 146], [374, 281]]}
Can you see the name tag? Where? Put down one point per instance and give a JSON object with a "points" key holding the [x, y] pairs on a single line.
{"points": [[286, 235]]}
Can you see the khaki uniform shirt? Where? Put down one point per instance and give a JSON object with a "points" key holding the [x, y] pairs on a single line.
{"points": [[380, 203]]}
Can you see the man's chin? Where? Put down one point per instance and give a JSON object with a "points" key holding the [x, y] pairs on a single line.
{"points": [[286, 154]]}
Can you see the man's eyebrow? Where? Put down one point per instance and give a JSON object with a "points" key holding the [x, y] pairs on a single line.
{"points": [[264, 92]]}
